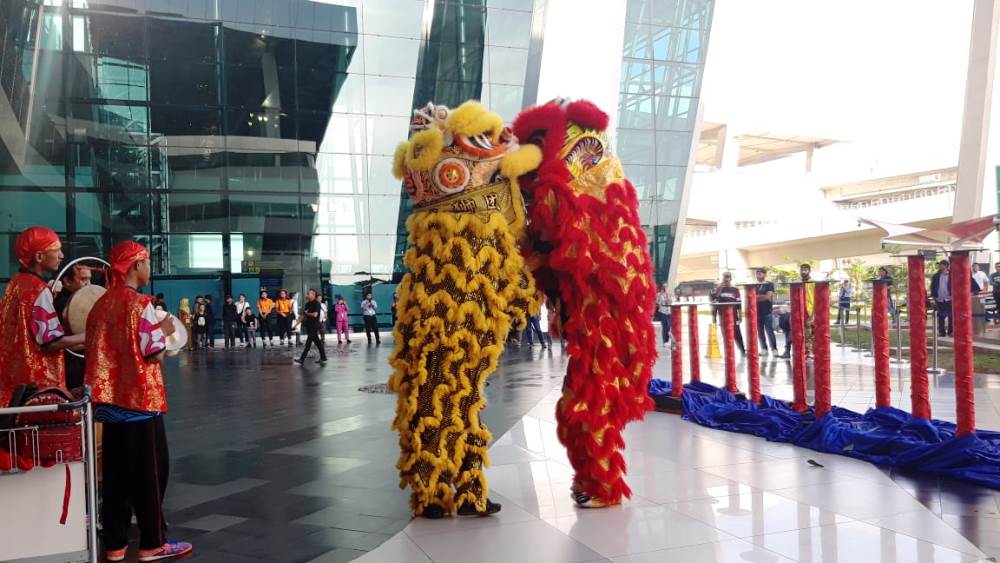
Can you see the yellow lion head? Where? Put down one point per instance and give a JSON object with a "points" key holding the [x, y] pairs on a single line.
{"points": [[462, 161]]}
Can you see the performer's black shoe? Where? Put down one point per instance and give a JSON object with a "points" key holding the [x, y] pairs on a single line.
{"points": [[297, 360], [469, 509], [434, 512], [321, 361]]}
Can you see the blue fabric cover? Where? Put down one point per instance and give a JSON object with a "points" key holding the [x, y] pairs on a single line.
{"points": [[884, 436]]}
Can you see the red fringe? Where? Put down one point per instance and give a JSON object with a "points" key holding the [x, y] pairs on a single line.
{"points": [[590, 236]]}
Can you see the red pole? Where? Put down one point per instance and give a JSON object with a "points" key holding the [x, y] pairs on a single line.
{"points": [[917, 313], [729, 337], [880, 340], [821, 348], [676, 359], [693, 343], [799, 347], [753, 357], [961, 303]]}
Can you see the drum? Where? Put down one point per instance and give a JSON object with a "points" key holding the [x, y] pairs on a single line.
{"points": [[79, 305], [177, 340]]}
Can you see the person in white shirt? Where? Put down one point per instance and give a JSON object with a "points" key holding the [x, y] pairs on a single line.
{"points": [[297, 323], [323, 312], [241, 306], [982, 280]]}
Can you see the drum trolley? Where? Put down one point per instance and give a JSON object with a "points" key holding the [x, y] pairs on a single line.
{"points": [[44, 517]]}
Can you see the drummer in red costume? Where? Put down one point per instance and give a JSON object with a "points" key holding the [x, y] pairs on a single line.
{"points": [[31, 349], [125, 346]]}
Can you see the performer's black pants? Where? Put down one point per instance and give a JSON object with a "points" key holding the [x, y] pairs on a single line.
{"points": [[136, 465], [313, 338], [371, 325]]}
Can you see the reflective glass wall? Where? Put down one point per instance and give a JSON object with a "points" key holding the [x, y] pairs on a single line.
{"points": [[663, 63]]}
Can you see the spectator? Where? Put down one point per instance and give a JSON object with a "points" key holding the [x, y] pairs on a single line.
{"points": [[284, 308], [323, 312], [394, 308], [311, 315], [184, 314], [995, 282], [941, 294], [663, 311], [268, 319], [341, 311], [785, 324], [534, 326], [200, 327], [295, 316], [250, 327], [765, 319], [369, 310], [210, 318], [159, 304], [844, 303], [883, 274], [241, 307], [73, 280], [809, 290], [230, 322], [981, 279], [728, 293]]}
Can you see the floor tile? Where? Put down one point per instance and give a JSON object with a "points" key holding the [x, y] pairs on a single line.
{"points": [[524, 541], [756, 513], [398, 549], [927, 526], [212, 522], [725, 551]]}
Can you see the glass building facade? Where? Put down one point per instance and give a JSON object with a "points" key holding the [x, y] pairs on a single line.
{"points": [[249, 143]]}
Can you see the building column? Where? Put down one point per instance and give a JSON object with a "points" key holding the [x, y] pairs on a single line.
{"points": [[976, 116]]}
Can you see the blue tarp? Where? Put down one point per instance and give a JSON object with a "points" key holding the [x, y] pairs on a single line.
{"points": [[885, 436]]}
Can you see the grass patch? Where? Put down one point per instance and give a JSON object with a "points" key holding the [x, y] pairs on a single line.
{"points": [[985, 361]]}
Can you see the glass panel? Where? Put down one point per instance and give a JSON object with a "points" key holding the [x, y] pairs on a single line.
{"points": [[341, 173], [193, 254], [673, 147], [107, 78], [637, 77], [121, 212], [637, 41], [337, 214], [388, 95], [271, 255], [380, 178], [38, 160], [383, 214], [261, 129], [109, 165], [675, 79], [639, 11], [186, 127], [8, 258], [256, 87], [345, 133], [670, 182], [264, 213], [181, 82], [108, 123], [348, 255], [635, 111], [350, 96], [647, 212], [188, 168], [507, 66], [259, 49], [183, 41], [506, 100], [675, 113], [121, 37], [635, 146], [643, 177], [387, 132], [505, 28], [391, 56], [265, 171], [312, 130], [395, 18], [21, 209], [188, 212], [383, 254]]}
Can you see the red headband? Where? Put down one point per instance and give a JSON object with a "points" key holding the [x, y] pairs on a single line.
{"points": [[122, 257], [33, 240]]}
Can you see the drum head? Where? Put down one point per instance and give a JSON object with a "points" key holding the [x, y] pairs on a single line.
{"points": [[79, 305], [179, 338]]}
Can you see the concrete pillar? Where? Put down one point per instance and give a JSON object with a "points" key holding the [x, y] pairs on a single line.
{"points": [[976, 116]]}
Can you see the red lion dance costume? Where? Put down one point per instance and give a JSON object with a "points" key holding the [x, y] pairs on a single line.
{"points": [[590, 256]]}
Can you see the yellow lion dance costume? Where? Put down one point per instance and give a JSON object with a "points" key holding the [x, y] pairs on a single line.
{"points": [[467, 286]]}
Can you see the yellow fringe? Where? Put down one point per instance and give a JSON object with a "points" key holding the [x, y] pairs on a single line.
{"points": [[471, 118], [457, 306]]}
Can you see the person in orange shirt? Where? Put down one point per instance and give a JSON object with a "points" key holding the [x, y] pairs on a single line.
{"points": [[284, 308], [126, 343], [31, 350], [266, 306]]}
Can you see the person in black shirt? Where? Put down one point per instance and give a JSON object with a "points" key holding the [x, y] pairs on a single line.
{"points": [[230, 322], [311, 313], [728, 293], [210, 319], [765, 320], [74, 279]]}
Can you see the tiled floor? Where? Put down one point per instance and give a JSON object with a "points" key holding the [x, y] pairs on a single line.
{"points": [[273, 462], [702, 495]]}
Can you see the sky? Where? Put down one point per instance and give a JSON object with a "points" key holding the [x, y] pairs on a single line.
{"points": [[886, 77]]}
